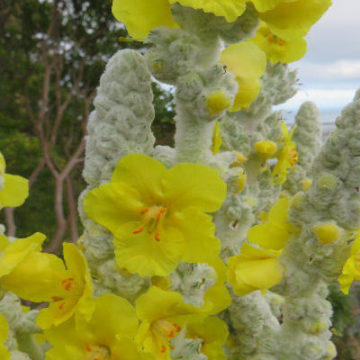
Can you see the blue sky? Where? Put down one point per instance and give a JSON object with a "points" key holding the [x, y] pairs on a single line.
{"points": [[330, 72]]}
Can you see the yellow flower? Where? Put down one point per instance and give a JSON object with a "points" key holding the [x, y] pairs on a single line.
{"points": [[247, 62], [216, 139], [254, 269], [73, 291], [265, 149], [276, 231], [15, 188], [4, 332], [293, 19], [213, 333], [259, 268], [287, 156], [277, 49], [351, 268], [327, 233], [39, 277], [141, 16], [107, 335], [163, 315], [157, 216]]}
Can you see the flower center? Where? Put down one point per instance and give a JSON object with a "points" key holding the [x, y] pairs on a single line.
{"points": [[292, 156], [72, 287], [163, 332], [152, 219], [96, 352], [275, 39]]}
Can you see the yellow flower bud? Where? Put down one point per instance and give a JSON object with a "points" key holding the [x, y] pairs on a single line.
{"points": [[218, 102], [326, 233], [241, 181], [331, 351], [216, 139], [240, 158], [306, 184], [265, 149]]}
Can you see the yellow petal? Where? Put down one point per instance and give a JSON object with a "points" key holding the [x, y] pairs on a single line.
{"points": [[17, 251], [348, 275], [141, 253], [141, 16], [36, 277], [113, 204], [4, 331], [161, 304], [213, 333], [194, 185], [200, 245], [230, 9], [247, 62], [265, 5], [293, 19], [140, 172], [253, 270], [15, 191], [268, 236], [121, 320]]}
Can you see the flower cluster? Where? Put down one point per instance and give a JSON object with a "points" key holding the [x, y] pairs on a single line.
{"points": [[188, 227]]}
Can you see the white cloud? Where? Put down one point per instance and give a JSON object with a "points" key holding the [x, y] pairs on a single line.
{"points": [[338, 70], [323, 98], [330, 72]]}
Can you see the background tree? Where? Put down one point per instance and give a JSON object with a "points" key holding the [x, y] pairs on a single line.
{"points": [[52, 54]]}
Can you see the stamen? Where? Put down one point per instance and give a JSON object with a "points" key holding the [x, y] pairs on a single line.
{"points": [[67, 283], [141, 229], [152, 219]]}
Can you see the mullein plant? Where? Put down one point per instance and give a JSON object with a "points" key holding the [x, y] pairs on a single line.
{"points": [[219, 248]]}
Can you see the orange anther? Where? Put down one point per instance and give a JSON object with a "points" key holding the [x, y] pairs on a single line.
{"points": [[144, 211], [56, 299], [157, 236], [139, 231], [163, 348], [61, 306], [67, 283], [88, 348], [160, 214]]}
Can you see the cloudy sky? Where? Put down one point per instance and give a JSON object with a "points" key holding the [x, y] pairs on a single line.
{"points": [[330, 71]]}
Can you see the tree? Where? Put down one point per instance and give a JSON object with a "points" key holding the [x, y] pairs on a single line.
{"points": [[52, 54]]}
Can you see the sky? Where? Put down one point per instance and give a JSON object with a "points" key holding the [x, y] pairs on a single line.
{"points": [[330, 71]]}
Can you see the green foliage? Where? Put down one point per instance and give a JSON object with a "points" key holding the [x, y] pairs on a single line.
{"points": [[164, 124], [77, 38]]}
